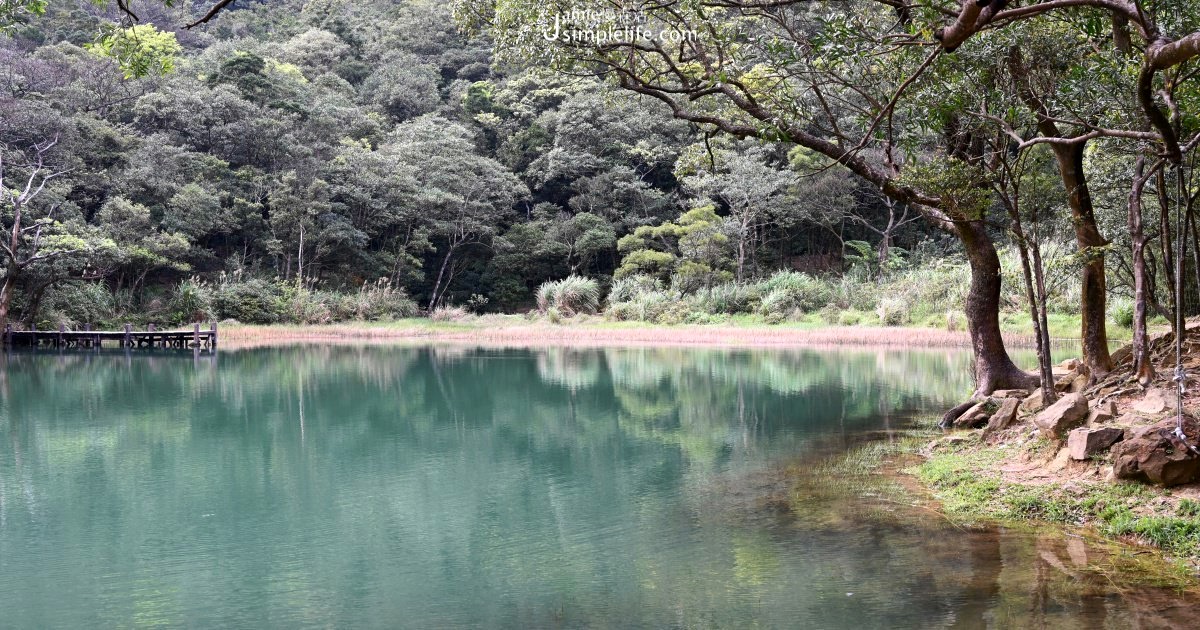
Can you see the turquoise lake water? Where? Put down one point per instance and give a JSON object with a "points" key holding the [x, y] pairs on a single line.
{"points": [[452, 486]]}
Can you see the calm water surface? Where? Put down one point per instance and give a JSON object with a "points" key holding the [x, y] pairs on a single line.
{"points": [[452, 486]]}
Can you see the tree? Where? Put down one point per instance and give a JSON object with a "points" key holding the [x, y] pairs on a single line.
{"points": [[692, 251], [462, 196], [31, 239], [804, 78], [753, 193]]}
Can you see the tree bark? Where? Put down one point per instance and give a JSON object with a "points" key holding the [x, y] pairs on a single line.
{"points": [[1142, 365], [993, 367], [1094, 333], [437, 285], [1037, 301]]}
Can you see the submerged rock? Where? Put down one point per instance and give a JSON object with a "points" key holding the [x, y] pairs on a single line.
{"points": [[1084, 442], [1069, 412], [1156, 455]]}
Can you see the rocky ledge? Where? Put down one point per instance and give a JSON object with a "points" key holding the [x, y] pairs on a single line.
{"points": [[1134, 429]]}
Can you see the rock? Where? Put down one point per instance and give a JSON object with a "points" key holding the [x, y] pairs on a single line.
{"points": [[1063, 384], [976, 415], [1121, 354], [1157, 456], [1010, 393], [1069, 412], [1003, 416], [1060, 461], [1129, 419], [1079, 383], [1102, 413], [1033, 402], [1155, 401], [1070, 365], [1085, 442]]}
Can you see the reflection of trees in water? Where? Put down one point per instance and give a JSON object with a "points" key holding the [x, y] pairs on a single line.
{"points": [[375, 484]]}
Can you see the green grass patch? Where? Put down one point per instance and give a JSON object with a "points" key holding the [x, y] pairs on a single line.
{"points": [[967, 484]]}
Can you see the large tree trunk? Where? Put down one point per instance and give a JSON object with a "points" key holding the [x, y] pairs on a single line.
{"points": [[6, 295], [993, 367], [1143, 367], [1087, 235]]}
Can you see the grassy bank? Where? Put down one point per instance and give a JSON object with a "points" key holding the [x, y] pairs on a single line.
{"points": [[594, 330], [1148, 535], [972, 481]]}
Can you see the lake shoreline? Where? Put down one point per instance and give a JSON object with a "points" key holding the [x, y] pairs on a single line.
{"points": [[957, 478], [518, 331]]}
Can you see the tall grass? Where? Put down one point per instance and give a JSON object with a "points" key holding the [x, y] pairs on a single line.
{"points": [[572, 295]]}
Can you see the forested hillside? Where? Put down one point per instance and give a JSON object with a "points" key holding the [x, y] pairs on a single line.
{"points": [[292, 150]]}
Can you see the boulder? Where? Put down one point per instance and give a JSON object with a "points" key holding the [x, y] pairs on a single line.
{"points": [[976, 415], [1155, 455], [1033, 402], [1154, 401], [1085, 442], [1003, 416], [1069, 412], [1011, 393], [1102, 413], [1070, 365]]}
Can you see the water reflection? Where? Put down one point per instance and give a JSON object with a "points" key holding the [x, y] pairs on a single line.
{"points": [[452, 486]]}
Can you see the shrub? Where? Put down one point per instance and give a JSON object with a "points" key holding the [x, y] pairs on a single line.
{"points": [[622, 311], [777, 305], [251, 301], [954, 321], [1122, 312], [380, 301], [893, 312], [628, 288], [449, 314], [75, 304], [192, 302], [786, 291], [849, 318], [729, 298], [571, 296]]}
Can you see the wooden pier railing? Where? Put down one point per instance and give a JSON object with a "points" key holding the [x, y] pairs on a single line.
{"points": [[128, 338]]}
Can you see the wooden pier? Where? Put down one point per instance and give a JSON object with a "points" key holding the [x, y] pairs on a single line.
{"points": [[128, 338]]}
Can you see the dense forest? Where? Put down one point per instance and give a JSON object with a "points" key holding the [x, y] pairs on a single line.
{"points": [[363, 147], [876, 160]]}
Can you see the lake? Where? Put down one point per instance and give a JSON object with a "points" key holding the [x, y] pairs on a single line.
{"points": [[455, 486]]}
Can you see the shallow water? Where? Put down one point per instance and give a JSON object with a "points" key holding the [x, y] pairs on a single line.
{"points": [[450, 486]]}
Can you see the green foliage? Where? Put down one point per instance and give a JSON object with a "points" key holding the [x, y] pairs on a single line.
{"points": [[1121, 311], [78, 303], [570, 296], [140, 50], [788, 291], [192, 302], [248, 300]]}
